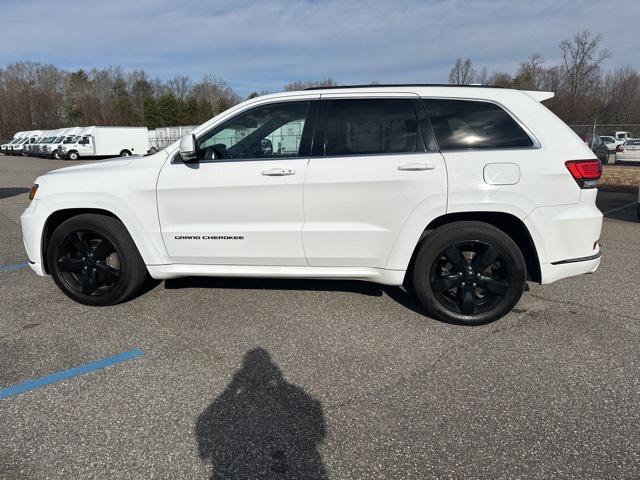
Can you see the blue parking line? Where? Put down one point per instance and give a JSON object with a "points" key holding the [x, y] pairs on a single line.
{"points": [[13, 266], [19, 388]]}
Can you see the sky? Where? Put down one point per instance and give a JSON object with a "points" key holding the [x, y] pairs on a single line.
{"points": [[262, 45]]}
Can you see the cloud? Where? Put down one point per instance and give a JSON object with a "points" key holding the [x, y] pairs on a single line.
{"points": [[258, 45]]}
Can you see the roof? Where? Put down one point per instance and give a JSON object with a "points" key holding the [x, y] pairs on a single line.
{"points": [[536, 95], [375, 85]]}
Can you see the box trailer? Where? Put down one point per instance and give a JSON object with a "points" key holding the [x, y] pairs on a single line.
{"points": [[162, 137], [106, 142]]}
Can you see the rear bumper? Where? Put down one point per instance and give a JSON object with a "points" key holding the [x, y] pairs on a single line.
{"points": [[572, 267]]}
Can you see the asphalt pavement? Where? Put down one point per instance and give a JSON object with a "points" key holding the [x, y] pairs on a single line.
{"points": [[285, 379]]}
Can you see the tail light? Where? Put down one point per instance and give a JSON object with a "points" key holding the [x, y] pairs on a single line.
{"points": [[585, 172]]}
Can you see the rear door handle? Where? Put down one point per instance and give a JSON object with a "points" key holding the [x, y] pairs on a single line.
{"points": [[278, 172], [415, 166]]}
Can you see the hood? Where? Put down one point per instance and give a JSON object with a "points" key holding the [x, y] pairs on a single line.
{"points": [[101, 165]]}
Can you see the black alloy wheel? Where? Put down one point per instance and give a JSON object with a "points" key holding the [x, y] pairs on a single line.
{"points": [[468, 272], [88, 263], [94, 261], [470, 277]]}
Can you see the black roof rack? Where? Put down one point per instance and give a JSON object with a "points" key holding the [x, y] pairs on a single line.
{"points": [[374, 85]]}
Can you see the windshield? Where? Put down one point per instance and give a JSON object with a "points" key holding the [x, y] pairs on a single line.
{"points": [[57, 139], [22, 141], [15, 140]]}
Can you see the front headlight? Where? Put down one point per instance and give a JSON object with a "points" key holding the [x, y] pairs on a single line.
{"points": [[33, 191]]}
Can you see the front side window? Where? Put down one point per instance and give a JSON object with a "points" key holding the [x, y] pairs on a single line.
{"points": [[84, 141], [268, 131], [467, 124], [371, 126]]}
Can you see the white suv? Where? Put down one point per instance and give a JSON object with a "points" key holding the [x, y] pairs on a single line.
{"points": [[460, 193]]}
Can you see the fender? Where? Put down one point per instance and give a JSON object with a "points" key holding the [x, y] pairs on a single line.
{"points": [[491, 200], [145, 232]]}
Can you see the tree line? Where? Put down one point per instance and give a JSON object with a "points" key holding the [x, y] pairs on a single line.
{"points": [[34, 96], [585, 92], [37, 96]]}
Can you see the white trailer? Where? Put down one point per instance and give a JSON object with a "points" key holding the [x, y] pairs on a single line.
{"points": [[105, 142], [162, 137]]}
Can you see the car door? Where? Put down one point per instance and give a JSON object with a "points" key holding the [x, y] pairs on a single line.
{"points": [[241, 202], [373, 163]]}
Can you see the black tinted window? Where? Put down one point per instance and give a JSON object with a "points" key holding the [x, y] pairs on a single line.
{"points": [[464, 124], [368, 126]]}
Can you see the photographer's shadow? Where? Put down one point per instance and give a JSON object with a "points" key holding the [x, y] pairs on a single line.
{"points": [[261, 426]]}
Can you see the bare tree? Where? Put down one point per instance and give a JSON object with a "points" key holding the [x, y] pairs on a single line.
{"points": [[302, 84], [482, 77], [582, 56], [462, 72], [529, 75]]}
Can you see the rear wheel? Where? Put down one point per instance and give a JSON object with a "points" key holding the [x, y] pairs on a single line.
{"points": [[469, 273], [125, 153], [94, 261]]}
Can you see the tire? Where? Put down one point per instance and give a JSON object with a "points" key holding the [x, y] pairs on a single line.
{"points": [[152, 150], [55, 155], [125, 153], [73, 155], [94, 261], [479, 284]]}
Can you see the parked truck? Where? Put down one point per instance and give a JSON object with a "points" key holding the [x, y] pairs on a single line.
{"points": [[5, 147], [96, 141], [28, 138], [65, 136]]}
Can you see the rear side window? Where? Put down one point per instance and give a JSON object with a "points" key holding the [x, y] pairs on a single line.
{"points": [[466, 124], [371, 126]]}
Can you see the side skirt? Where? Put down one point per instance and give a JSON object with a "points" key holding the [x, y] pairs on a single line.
{"points": [[376, 275]]}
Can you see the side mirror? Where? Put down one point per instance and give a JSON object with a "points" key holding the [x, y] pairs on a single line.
{"points": [[188, 151]]}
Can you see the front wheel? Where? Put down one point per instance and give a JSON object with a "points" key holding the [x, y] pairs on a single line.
{"points": [[94, 261], [73, 155], [55, 155], [125, 153], [469, 273]]}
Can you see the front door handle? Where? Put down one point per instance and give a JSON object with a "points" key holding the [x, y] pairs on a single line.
{"points": [[415, 166], [278, 172]]}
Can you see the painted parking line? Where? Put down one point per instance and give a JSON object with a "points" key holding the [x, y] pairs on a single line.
{"points": [[23, 387], [13, 266]]}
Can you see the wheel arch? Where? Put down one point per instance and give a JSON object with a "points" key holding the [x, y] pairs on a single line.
{"points": [[56, 218], [508, 223]]}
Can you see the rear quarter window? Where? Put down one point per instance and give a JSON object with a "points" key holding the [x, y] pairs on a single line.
{"points": [[468, 124]]}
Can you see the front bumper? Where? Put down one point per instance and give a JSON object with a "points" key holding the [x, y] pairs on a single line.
{"points": [[33, 220]]}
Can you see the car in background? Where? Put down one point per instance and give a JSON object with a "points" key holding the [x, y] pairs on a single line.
{"points": [[597, 146], [611, 142], [629, 151]]}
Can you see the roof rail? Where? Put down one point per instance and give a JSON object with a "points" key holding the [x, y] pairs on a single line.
{"points": [[374, 85]]}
